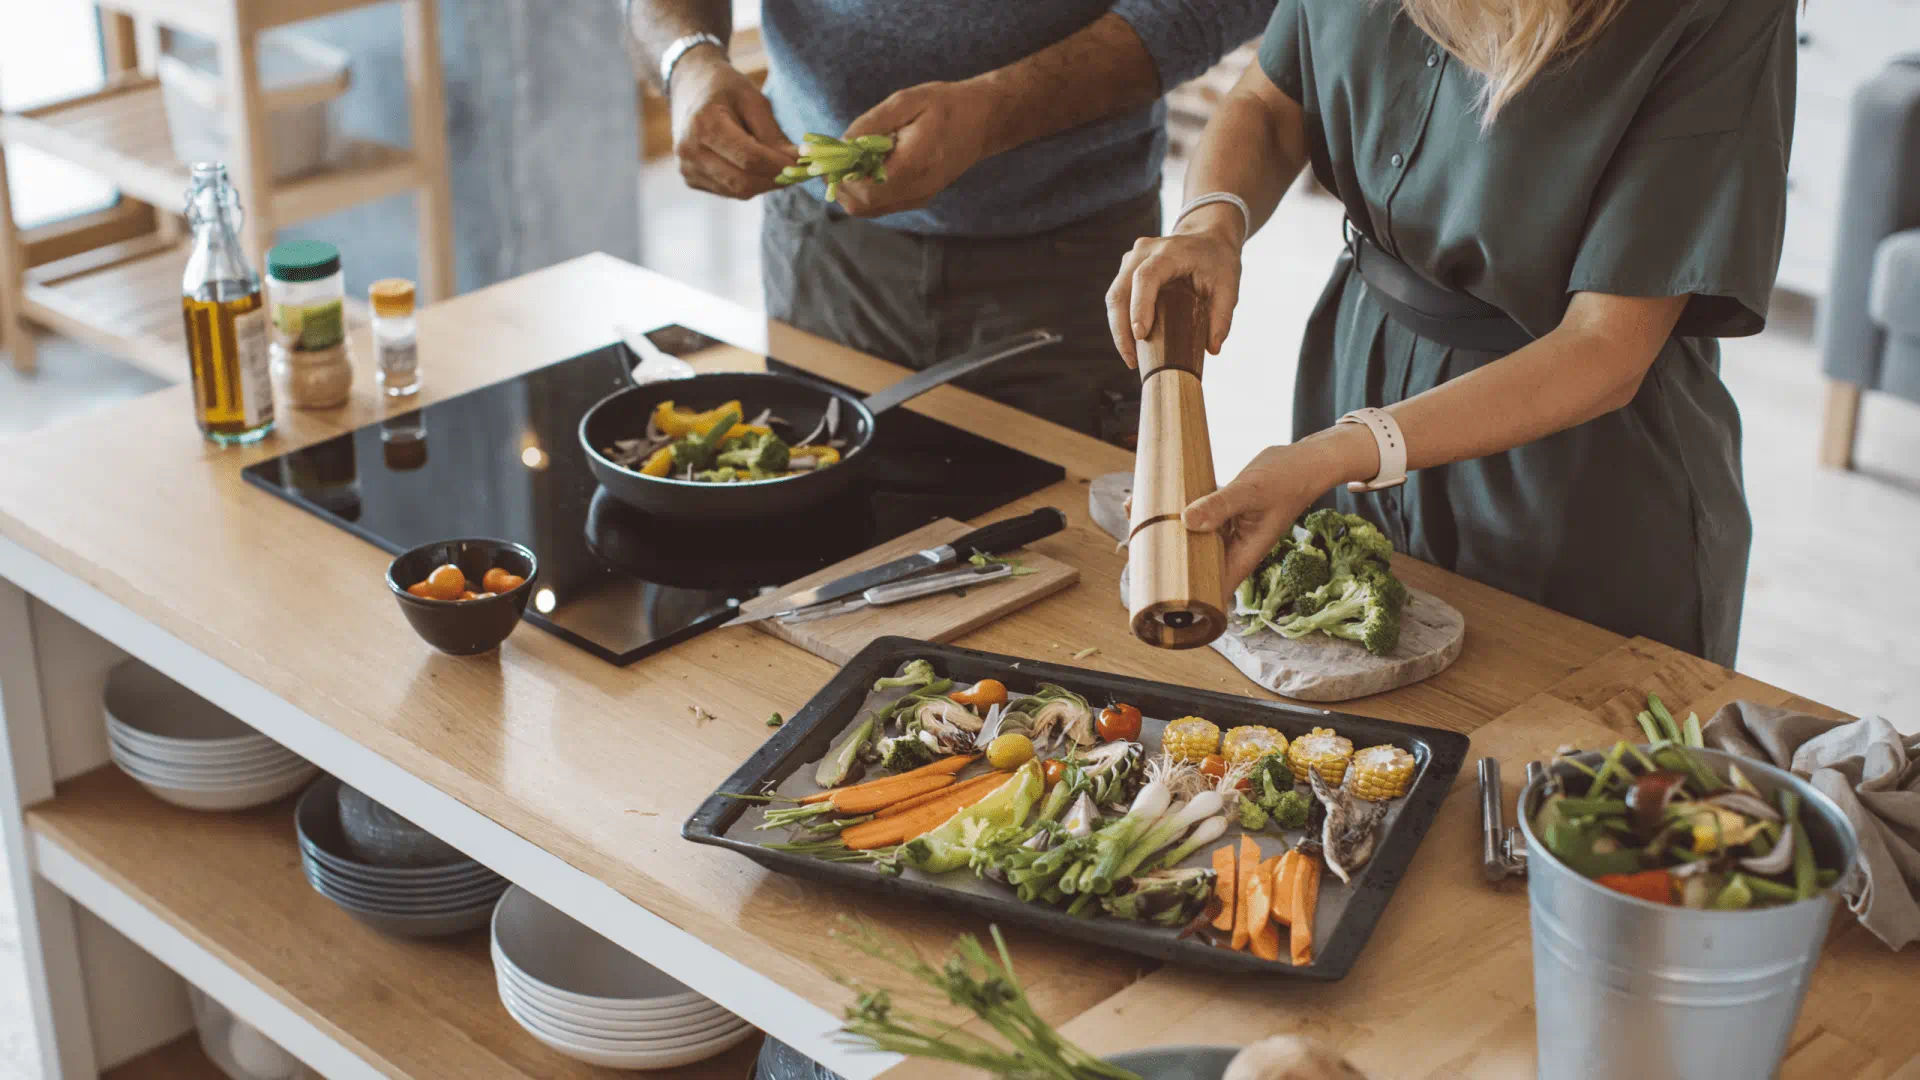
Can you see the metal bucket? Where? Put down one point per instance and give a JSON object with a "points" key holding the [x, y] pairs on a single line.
{"points": [[1627, 988]]}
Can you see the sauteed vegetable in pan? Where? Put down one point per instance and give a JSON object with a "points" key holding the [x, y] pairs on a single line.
{"points": [[716, 447]]}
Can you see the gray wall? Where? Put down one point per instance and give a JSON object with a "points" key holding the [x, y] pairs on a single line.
{"points": [[542, 129]]}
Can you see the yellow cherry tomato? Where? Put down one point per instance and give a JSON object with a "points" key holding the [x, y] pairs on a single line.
{"points": [[1009, 751]]}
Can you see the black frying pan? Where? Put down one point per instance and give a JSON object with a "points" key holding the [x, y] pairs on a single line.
{"points": [[798, 403]]}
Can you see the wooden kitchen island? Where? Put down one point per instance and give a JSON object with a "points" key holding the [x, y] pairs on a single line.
{"points": [[124, 533]]}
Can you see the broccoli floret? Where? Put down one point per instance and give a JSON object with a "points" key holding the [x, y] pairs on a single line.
{"points": [[722, 475], [756, 453], [1349, 540], [916, 674], [1291, 569], [699, 450], [1366, 609], [905, 752], [1289, 811], [1253, 817]]}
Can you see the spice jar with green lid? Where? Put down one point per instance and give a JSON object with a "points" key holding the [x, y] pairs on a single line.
{"points": [[306, 295]]}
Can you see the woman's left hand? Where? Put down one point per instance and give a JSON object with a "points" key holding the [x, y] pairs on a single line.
{"points": [[1275, 488]]}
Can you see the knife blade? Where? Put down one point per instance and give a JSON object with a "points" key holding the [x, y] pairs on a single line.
{"points": [[991, 539], [898, 592]]}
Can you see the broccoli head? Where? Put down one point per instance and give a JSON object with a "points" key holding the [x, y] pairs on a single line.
{"points": [[699, 450], [916, 673], [1290, 809], [1366, 609], [1253, 816], [1289, 571], [756, 453], [1349, 540], [905, 752], [724, 474]]}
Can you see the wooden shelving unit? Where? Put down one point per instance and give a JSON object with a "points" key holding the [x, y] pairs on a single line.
{"points": [[181, 1059], [231, 885], [120, 131]]}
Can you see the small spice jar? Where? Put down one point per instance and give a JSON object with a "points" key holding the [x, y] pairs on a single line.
{"points": [[307, 295], [396, 352]]}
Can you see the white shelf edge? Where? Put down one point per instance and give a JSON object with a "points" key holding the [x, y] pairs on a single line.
{"points": [[194, 963], [780, 1012]]}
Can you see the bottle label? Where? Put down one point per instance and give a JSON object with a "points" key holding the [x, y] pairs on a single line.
{"points": [[251, 341], [313, 328], [398, 359]]}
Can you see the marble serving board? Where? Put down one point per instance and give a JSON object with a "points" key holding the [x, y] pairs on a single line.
{"points": [[1315, 668]]}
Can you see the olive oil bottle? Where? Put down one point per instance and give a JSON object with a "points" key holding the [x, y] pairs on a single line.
{"points": [[227, 332]]}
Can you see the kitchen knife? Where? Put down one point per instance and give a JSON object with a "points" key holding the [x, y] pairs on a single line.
{"points": [[901, 591], [987, 540]]}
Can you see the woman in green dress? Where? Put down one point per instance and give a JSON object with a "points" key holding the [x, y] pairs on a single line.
{"points": [[1591, 192]]}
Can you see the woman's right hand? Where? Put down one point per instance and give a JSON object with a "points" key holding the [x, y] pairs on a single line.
{"points": [[1205, 249]]}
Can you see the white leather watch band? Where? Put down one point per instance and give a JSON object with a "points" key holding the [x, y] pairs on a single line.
{"points": [[1393, 449]]}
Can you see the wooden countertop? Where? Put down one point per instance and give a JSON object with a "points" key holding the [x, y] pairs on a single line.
{"points": [[600, 765]]}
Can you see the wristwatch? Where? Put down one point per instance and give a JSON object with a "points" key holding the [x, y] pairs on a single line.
{"points": [[680, 47], [1393, 449]]}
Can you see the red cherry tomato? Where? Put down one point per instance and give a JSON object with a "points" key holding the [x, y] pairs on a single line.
{"points": [[1118, 722], [1052, 770], [1214, 766]]}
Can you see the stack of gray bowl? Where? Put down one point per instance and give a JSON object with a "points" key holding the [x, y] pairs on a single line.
{"points": [[190, 752], [385, 871]]}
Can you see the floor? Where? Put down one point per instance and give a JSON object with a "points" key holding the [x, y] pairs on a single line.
{"points": [[1837, 641]]}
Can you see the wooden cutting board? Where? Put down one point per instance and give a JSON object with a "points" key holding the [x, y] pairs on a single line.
{"points": [[1315, 668], [930, 618]]}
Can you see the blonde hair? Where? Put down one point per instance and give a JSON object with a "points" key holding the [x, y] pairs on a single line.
{"points": [[1510, 42]]}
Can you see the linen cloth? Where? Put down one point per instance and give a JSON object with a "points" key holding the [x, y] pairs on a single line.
{"points": [[1872, 772]]}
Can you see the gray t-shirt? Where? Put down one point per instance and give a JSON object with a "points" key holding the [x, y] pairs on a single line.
{"points": [[834, 59]]}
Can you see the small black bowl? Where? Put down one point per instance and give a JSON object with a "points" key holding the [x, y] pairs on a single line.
{"points": [[463, 627]]}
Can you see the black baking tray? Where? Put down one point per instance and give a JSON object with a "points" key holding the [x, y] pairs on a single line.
{"points": [[807, 736]]}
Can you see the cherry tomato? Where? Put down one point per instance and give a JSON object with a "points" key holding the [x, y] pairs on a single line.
{"points": [[469, 594], [984, 694], [507, 584], [494, 580], [1214, 766], [446, 582], [1119, 722], [1052, 770], [419, 589]]}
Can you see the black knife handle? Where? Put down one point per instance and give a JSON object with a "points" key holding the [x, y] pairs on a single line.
{"points": [[1004, 536]]}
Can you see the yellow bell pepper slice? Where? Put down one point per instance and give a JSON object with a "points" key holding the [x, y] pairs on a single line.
{"points": [[822, 455], [678, 423], [659, 463]]}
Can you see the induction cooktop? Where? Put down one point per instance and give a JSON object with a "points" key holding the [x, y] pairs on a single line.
{"points": [[504, 461]]}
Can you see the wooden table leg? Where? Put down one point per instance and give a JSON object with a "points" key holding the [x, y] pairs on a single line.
{"points": [[49, 941], [15, 335], [248, 162], [1840, 425], [427, 108]]}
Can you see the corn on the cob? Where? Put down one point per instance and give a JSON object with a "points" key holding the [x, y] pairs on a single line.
{"points": [[1323, 752], [1190, 738], [1246, 745], [1379, 773]]}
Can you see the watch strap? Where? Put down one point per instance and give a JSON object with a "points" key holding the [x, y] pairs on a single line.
{"points": [[680, 47], [1392, 446]]}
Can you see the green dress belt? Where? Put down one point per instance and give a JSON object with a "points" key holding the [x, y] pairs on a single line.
{"points": [[1446, 316]]}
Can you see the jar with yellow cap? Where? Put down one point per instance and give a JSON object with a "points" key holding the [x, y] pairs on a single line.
{"points": [[395, 350]]}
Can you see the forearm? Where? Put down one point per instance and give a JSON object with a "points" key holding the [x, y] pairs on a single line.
{"points": [[1254, 147], [653, 25], [1587, 367], [1102, 69]]}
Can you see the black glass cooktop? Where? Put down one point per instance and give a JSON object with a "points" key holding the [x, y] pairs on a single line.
{"points": [[504, 461]]}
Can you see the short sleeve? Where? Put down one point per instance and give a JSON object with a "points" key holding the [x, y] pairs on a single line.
{"points": [[1283, 48], [1693, 200], [1186, 37]]}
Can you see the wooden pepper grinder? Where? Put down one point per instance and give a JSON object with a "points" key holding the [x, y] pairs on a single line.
{"points": [[1177, 594]]}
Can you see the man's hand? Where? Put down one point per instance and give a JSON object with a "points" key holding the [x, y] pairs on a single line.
{"points": [[939, 131], [723, 128]]}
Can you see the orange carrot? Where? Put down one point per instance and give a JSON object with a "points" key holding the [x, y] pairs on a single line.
{"points": [[871, 799], [900, 828], [1243, 907], [1223, 887], [947, 766], [917, 801], [1283, 876], [1263, 937], [1306, 897]]}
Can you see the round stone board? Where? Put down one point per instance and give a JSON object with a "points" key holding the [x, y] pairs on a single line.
{"points": [[1315, 668]]}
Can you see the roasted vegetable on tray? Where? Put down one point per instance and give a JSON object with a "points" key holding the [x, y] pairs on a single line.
{"points": [[1031, 793]]}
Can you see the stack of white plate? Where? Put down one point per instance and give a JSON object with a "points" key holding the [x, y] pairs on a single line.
{"points": [[411, 901], [190, 752], [595, 1002]]}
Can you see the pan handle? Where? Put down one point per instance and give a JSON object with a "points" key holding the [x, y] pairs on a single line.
{"points": [[946, 371]]}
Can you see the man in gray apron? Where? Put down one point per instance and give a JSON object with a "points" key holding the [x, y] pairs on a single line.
{"points": [[1030, 139]]}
